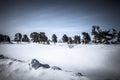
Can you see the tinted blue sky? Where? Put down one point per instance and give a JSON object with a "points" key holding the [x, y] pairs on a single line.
{"points": [[58, 16]]}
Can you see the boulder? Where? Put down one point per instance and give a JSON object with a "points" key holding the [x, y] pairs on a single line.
{"points": [[56, 68], [78, 74], [45, 66], [35, 64], [2, 56]]}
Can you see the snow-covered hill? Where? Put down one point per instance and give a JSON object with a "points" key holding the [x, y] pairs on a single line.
{"points": [[13, 70], [94, 61]]}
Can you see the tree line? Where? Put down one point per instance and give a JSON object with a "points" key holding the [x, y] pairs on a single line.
{"points": [[100, 36]]}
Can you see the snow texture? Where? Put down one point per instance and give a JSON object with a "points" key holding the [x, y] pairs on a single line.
{"points": [[93, 61]]}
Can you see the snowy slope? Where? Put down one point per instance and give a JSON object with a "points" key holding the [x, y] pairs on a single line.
{"points": [[91, 60], [12, 70]]}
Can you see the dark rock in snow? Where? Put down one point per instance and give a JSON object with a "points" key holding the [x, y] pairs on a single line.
{"points": [[56, 68], [35, 63], [78, 74], [45, 66], [10, 63], [2, 56]]}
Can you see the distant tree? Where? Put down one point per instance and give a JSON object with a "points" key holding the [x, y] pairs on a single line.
{"points": [[114, 32], [6, 38], [1, 38], [98, 29], [54, 38], [18, 37], [39, 37], [65, 38], [118, 36], [70, 40], [45, 39], [98, 34], [77, 39], [34, 36], [95, 33], [86, 38], [105, 37], [42, 38], [25, 38]]}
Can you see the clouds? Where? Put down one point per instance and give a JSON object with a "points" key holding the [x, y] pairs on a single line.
{"points": [[57, 15]]}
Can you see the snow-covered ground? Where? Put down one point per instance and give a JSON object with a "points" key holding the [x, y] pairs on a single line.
{"points": [[96, 62]]}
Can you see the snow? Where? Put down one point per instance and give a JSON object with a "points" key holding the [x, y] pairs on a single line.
{"points": [[20, 71], [94, 61]]}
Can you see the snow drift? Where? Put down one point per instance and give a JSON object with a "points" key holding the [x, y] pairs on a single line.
{"points": [[14, 70], [95, 62]]}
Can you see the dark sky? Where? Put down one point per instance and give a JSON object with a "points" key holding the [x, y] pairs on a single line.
{"points": [[58, 16]]}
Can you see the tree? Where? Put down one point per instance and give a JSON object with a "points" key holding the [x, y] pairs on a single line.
{"points": [[4, 38], [1, 38], [86, 38], [95, 33], [39, 37], [54, 38], [65, 38], [25, 38], [18, 37], [118, 36], [77, 39], [70, 40], [42, 37], [34, 37], [114, 31]]}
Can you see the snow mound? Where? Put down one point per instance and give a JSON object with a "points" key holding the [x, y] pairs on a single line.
{"points": [[14, 70]]}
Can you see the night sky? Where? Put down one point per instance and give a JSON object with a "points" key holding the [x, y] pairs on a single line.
{"points": [[58, 16]]}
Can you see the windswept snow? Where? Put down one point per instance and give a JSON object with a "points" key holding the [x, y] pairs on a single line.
{"points": [[94, 61], [12, 70]]}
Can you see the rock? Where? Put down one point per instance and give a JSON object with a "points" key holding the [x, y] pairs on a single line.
{"points": [[56, 68], [2, 56], [45, 66], [78, 74], [35, 64]]}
